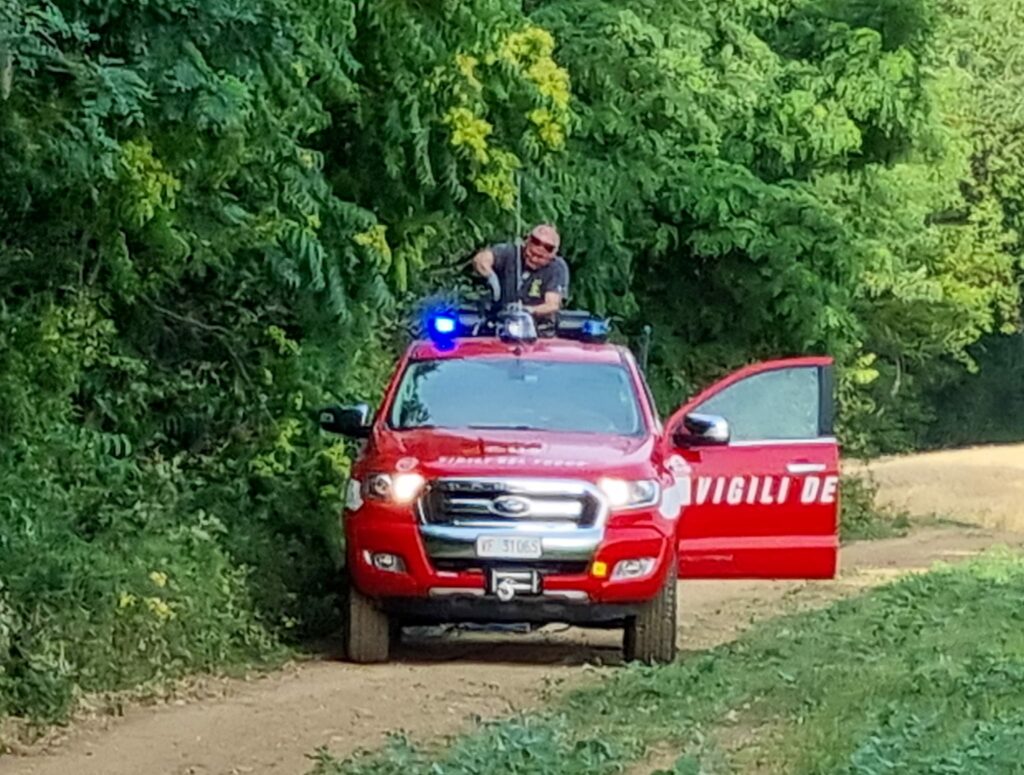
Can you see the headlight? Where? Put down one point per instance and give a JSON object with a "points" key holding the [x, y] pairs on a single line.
{"points": [[397, 488], [630, 495], [405, 488]]}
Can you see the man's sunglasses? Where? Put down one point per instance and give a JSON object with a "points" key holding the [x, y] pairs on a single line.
{"points": [[541, 244]]}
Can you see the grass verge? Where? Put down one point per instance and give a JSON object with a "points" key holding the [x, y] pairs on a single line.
{"points": [[923, 676]]}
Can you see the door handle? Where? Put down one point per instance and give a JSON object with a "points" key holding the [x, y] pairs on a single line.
{"points": [[805, 468]]}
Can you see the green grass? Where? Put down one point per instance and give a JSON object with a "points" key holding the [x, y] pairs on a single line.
{"points": [[923, 676]]}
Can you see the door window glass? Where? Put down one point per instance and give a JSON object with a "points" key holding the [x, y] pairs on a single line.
{"points": [[778, 404]]}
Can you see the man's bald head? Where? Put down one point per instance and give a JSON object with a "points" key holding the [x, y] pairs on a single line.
{"points": [[541, 246]]}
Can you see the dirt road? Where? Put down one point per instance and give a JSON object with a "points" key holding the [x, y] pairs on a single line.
{"points": [[436, 685]]}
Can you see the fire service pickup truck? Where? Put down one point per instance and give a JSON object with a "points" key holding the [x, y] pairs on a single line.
{"points": [[511, 478]]}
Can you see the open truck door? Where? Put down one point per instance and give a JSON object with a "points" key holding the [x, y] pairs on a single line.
{"points": [[757, 473]]}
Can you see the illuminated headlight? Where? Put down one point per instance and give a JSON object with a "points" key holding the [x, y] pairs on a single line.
{"points": [[385, 561], [633, 569], [397, 488], [630, 495], [406, 488]]}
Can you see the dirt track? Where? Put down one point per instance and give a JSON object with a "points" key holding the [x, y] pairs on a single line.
{"points": [[980, 485], [437, 685]]}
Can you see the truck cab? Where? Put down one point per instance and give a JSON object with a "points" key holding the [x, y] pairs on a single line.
{"points": [[514, 479]]}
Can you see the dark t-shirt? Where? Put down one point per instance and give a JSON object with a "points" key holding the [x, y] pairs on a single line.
{"points": [[552, 278]]}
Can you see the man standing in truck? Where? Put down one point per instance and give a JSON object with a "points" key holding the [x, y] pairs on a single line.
{"points": [[544, 282]]}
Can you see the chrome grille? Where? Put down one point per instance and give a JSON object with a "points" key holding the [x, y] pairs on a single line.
{"points": [[497, 503]]}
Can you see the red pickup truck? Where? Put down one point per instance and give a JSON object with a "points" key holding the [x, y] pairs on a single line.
{"points": [[515, 479]]}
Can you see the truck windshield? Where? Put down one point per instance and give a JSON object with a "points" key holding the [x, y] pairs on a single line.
{"points": [[513, 393]]}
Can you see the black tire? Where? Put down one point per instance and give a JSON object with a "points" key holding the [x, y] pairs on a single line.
{"points": [[650, 636], [367, 631]]}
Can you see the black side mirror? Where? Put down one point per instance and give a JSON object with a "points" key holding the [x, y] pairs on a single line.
{"points": [[702, 430], [353, 421]]}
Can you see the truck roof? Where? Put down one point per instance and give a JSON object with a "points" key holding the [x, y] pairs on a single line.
{"points": [[542, 349]]}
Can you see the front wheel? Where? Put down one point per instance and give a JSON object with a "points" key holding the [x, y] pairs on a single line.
{"points": [[368, 630], [650, 636]]}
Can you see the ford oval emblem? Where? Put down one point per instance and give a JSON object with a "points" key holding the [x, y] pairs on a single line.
{"points": [[511, 506]]}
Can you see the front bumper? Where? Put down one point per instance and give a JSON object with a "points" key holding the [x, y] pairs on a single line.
{"points": [[442, 572], [489, 610]]}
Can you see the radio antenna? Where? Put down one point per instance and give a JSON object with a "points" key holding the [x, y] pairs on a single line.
{"points": [[519, 235]]}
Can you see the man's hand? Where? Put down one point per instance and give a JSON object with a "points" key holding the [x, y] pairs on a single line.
{"points": [[483, 262]]}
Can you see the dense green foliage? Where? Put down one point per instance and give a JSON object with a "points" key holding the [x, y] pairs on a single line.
{"points": [[923, 676], [215, 213], [768, 178], [984, 38], [207, 221]]}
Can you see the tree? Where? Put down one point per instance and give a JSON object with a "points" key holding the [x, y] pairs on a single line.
{"points": [[764, 179], [212, 211], [983, 41]]}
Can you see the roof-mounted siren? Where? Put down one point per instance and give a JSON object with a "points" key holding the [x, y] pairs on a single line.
{"points": [[517, 326], [441, 326], [596, 330], [582, 326]]}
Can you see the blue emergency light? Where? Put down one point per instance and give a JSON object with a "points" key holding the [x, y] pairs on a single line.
{"points": [[596, 329], [443, 324]]}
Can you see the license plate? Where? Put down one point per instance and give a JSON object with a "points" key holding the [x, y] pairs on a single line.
{"points": [[512, 547]]}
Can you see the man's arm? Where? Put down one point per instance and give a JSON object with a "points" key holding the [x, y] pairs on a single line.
{"points": [[490, 260], [490, 264], [551, 304], [483, 262], [554, 291]]}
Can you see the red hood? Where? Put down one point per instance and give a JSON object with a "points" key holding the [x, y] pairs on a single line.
{"points": [[436, 452]]}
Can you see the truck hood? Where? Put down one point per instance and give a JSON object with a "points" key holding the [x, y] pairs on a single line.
{"points": [[435, 453]]}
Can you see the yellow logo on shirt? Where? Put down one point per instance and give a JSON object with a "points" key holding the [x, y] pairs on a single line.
{"points": [[534, 288]]}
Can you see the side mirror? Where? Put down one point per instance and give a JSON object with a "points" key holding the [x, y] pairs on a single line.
{"points": [[351, 421], [702, 430]]}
